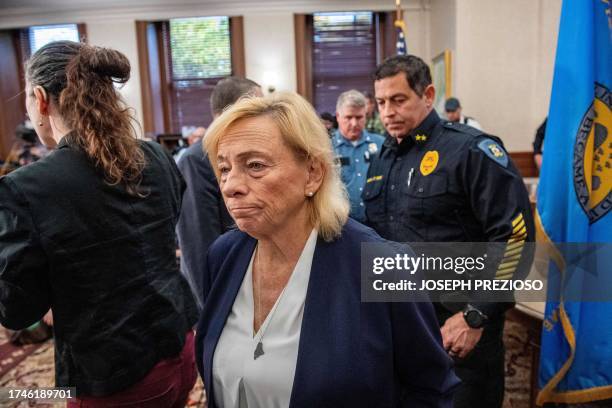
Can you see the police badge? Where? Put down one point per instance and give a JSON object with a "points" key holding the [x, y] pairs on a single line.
{"points": [[372, 149]]}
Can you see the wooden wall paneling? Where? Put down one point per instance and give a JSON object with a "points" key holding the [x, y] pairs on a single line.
{"points": [[237, 46], [386, 35], [155, 78], [82, 29], [165, 70], [22, 44], [145, 80], [525, 164], [303, 25], [150, 79], [19, 38], [12, 108]]}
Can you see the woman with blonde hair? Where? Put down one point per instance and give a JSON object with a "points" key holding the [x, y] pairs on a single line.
{"points": [[283, 323], [88, 231]]}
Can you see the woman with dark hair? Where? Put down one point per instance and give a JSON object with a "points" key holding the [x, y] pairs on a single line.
{"points": [[88, 231]]}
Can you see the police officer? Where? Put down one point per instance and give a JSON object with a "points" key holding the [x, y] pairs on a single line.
{"points": [[354, 147], [439, 181], [453, 109]]}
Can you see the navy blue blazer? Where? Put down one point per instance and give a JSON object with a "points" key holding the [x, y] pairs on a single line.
{"points": [[351, 353]]}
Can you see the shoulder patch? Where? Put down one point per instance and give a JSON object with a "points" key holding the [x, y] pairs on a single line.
{"points": [[494, 151]]}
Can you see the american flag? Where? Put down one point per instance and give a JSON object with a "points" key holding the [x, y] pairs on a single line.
{"points": [[401, 38]]}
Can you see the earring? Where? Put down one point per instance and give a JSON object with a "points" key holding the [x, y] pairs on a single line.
{"points": [[310, 194]]}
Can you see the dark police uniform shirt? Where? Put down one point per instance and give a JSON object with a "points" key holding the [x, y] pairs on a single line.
{"points": [[448, 182]]}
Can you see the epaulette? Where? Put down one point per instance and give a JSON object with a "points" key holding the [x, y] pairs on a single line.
{"points": [[460, 127]]}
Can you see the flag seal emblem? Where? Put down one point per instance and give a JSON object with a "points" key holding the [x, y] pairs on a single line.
{"points": [[593, 157]]}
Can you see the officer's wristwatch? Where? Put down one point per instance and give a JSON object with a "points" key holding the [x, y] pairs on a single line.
{"points": [[474, 317]]}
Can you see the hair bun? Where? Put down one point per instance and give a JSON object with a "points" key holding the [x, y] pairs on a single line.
{"points": [[106, 63]]}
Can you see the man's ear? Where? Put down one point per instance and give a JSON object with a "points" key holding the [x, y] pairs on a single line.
{"points": [[429, 94], [42, 100], [316, 172]]}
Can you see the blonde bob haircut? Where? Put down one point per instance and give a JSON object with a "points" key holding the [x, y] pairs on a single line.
{"points": [[302, 132]]}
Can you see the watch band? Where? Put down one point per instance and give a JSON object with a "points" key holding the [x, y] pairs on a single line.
{"points": [[474, 317]]}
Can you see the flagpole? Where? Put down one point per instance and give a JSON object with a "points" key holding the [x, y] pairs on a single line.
{"points": [[398, 10], [400, 28]]}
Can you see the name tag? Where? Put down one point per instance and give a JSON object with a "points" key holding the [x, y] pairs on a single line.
{"points": [[342, 161]]}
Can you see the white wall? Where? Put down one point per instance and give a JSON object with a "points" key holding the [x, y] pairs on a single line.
{"points": [[503, 51], [547, 23], [121, 35], [269, 47], [417, 31], [270, 44], [443, 26], [268, 29], [503, 64]]}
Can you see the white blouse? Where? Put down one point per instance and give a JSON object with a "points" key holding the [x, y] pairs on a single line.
{"points": [[239, 380]]}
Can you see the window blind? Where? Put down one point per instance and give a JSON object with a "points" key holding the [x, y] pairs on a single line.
{"points": [[199, 55], [344, 55]]}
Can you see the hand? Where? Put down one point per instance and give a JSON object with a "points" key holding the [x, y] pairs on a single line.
{"points": [[48, 318], [457, 337], [537, 158]]}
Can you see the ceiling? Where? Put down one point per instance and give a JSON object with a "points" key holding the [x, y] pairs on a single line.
{"points": [[23, 13], [54, 5]]}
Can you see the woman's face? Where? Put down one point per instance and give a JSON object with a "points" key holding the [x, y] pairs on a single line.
{"points": [[36, 102], [264, 185]]}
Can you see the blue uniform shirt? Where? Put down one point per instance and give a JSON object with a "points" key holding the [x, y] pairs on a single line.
{"points": [[354, 160]]}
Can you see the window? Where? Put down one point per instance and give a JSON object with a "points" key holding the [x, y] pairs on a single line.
{"points": [[181, 61], [200, 47], [34, 37], [339, 51], [198, 57], [42, 35], [17, 46], [344, 55]]}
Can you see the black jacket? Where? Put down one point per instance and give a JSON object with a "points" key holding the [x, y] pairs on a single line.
{"points": [[102, 259], [203, 215], [538, 142], [448, 182]]}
